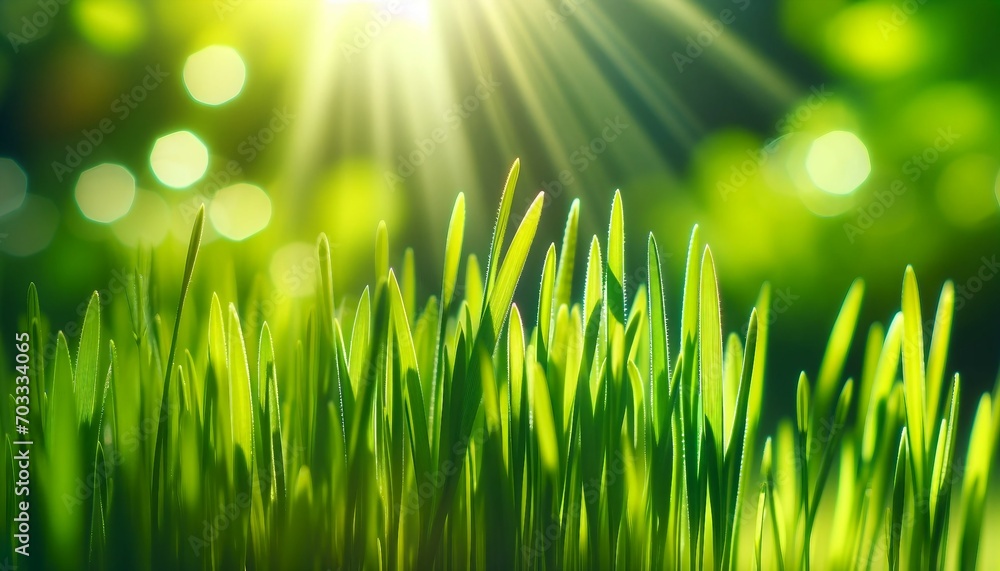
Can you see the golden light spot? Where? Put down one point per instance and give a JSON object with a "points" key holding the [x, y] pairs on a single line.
{"points": [[13, 186], [146, 223], [179, 159], [838, 162], [214, 75], [105, 192], [240, 211]]}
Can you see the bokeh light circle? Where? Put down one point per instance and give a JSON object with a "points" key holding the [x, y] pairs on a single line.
{"points": [[214, 75], [13, 186], [838, 162], [105, 192], [240, 211], [179, 159]]}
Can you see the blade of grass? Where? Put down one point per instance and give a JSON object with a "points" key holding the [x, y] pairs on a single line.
{"points": [[192, 255]]}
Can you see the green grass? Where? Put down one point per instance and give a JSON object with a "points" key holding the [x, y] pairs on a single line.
{"points": [[466, 432]]}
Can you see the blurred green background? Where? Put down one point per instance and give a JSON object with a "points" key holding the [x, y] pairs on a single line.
{"points": [[813, 142]]}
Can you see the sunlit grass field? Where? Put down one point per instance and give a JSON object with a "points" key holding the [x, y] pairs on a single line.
{"points": [[466, 432]]}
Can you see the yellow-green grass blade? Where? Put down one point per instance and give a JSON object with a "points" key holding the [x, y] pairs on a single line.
{"points": [[567, 258], [869, 368], [756, 395], [692, 421], [710, 390], [659, 349], [239, 390], [914, 385], [894, 531], [614, 293], [324, 285], [938, 352], [265, 358], [503, 215], [275, 436], [802, 411], [592, 292], [830, 448], [474, 289], [732, 357], [689, 308], [414, 402], [941, 477], [360, 337], [502, 293], [263, 427], [736, 443], [841, 525], [219, 365], [544, 318], [710, 356], [759, 528], [544, 424], [569, 333], [882, 386], [979, 457], [837, 348], [87, 362], [453, 250]]}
